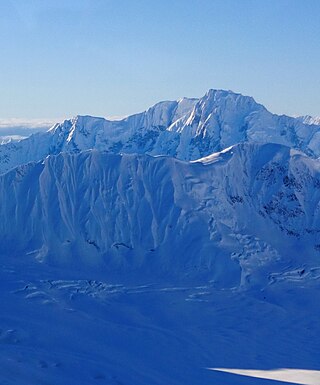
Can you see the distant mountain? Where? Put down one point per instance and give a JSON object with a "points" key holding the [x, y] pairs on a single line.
{"points": [[4, 139], [307, 119], [233, 217], [186, 129]]}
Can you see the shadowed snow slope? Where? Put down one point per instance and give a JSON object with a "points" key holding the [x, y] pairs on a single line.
{"points": [[74, 326], [186, 129], [234, 217]]}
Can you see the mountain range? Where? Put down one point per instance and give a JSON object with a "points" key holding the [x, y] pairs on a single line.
{"points": [[187, 129], [214, 187]]}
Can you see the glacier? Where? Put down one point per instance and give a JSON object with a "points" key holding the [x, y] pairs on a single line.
{"points": [[153, 248]]}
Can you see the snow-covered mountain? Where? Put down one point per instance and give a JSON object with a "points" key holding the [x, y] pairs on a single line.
{"points": [[224, 217], [186, 129], [310, 119], [177, 246], [101, 190]]}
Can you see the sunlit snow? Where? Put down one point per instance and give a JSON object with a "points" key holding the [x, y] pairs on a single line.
{"points": [[294, 376]]}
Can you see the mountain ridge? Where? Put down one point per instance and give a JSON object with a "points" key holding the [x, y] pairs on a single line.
{"points": [[187, 129]]}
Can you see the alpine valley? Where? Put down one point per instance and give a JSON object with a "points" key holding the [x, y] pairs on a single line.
{"points": [[177, 246]]}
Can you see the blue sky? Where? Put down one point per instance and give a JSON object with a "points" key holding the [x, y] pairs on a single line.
{"points": [[117, 57]]}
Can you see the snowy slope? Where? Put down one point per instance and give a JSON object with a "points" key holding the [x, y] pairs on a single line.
{"points": [[75, 326], [231, 217], [187, 129]]}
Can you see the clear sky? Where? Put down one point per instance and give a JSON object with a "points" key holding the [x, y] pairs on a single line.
{"points": [[116, 57]]}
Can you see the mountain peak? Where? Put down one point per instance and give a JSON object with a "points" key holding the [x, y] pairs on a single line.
{"points": [[219, 95]]}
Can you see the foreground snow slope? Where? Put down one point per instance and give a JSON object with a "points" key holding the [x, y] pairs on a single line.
{"points": [[233, 217], [74, 326], [186, 129]]}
